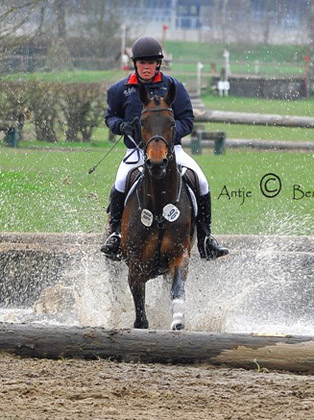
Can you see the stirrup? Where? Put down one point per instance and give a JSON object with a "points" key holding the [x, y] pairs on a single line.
{"points": [[212, 249], [112, 247]]}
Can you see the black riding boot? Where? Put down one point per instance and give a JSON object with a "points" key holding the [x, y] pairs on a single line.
{"points": [[112, 245], [207, 245]]}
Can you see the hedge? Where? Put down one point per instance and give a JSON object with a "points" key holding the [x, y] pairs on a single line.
{"points": [[58, 111]]}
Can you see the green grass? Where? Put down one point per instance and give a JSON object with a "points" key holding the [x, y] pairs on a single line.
{"points": [[51, 191], [78, 76], [179, 68], [273, 59], [238, 131], [210, 52], [303, 107], [241, 172]]}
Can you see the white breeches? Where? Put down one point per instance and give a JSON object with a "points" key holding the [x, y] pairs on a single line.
{"points": [[137, 159]]}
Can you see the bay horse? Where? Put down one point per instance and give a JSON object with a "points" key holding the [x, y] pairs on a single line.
{"points": [[157, 226]]}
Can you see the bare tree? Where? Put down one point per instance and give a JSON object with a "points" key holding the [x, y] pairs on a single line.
{"points": [[15, 19], [59, 56], [101, 26], [60, 8]]}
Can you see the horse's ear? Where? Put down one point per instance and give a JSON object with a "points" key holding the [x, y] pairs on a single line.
{"points": [[171, 93], [143, 94]]}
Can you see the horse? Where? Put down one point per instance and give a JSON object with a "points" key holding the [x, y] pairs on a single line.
{"points": [[157, 223]]}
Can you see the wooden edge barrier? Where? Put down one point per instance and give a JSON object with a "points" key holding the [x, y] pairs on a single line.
{"points": [[197, 146], [289, 353], [253, 119]]}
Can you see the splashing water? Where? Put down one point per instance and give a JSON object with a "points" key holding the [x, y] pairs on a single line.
{"points": [[265, 285]]}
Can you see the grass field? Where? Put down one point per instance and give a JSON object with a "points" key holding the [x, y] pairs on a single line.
{"points": [[302, 107], [273, 59], [51, 191], [76, 76], [282, 60], [274, 56]]}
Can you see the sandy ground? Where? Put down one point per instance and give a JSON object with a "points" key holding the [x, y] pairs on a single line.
{"points": [[77, 389]]}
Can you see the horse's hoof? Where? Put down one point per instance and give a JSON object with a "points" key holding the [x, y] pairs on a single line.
{"points": [[177, 326], [141, 326]]}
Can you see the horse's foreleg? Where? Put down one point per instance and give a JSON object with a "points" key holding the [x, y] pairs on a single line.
{"points": [[138, 291], [178, 300]]}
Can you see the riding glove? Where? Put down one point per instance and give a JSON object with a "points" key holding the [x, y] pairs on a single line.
{"points": [[126, 128], [129, 128]]}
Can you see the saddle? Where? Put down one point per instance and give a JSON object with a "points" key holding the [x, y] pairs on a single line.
{"points": [[189, 178]]}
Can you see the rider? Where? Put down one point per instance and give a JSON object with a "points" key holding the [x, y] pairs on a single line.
{"points": [[122, 117]]}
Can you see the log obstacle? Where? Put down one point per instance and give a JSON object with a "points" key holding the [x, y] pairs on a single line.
{"points": [[202, 116], [290, 353], [254, 144], [226, 117]]}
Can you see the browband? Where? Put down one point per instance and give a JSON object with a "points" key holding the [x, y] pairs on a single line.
{"points": [[157, 110]]}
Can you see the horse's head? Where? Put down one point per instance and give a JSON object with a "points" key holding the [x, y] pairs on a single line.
{"points": [[157, 130]]}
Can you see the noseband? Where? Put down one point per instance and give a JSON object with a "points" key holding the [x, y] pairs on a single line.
{"points": [[161, 138]]}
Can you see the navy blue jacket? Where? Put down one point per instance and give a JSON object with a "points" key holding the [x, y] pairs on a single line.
{"points": [[124, 105]]}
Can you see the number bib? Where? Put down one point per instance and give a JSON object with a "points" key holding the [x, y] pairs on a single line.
{"points": [[171, 212], [147, 218]]}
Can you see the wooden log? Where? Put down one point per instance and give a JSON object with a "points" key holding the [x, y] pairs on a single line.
{"points": [[291, 353], [253, 119], [257, 144], [271, 144]]}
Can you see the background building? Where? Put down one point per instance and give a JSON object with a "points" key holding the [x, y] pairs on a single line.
{"points": [[274, 21]]}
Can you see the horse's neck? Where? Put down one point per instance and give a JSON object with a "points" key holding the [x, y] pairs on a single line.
{"points": [[159, 192]]}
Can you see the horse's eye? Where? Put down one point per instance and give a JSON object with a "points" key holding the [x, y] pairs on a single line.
{"points": [[141, 123]]}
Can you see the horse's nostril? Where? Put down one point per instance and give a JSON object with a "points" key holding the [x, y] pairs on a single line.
{"points": [[165, 162], [149, 164]]}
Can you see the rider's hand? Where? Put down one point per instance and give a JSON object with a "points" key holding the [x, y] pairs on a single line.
{"points": [[126, 128], [129, 128]]}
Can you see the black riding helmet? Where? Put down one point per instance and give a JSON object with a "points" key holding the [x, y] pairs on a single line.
{"points": [[147, 48]]}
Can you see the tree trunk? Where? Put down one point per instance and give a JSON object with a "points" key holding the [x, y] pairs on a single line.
{"points": [[60, 12], [235, 350]]}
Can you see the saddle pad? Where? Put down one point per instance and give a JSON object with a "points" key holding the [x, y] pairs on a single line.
{"points": [[134, 176]]}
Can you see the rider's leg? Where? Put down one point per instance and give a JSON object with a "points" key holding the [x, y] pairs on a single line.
{"points": [[207, 245], [111, 248]]}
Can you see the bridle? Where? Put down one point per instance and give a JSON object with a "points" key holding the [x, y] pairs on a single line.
{"points": [[158, 137]]}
